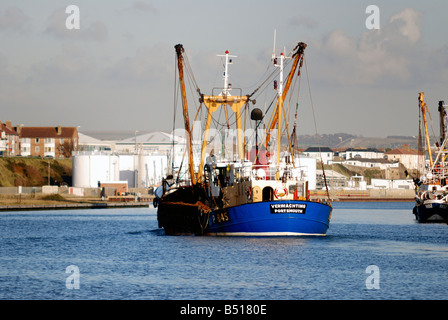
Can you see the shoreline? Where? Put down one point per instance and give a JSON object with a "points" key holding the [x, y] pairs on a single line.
{"points": [[73, 206], [143, 204], [373, 200]]}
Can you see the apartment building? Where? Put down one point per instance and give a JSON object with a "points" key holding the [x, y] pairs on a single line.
{"points": [[410, 158], [56, 142], [9, 140]]}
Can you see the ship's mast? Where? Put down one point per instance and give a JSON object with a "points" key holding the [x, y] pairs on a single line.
{"points": [[180, 60], [422, 106], [228, 61], [443, 134], [443, 122], [213, 103], [280, 107], [298, 60], [227, 86]]}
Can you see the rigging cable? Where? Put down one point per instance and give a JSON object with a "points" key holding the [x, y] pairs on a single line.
{"points": [[317, 135], [420, 143], [175, 101]]}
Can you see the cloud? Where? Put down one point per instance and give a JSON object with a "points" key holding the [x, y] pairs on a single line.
{"points": [[70, 66], [56, 27], [381, 57], [143, 6], [307, 22], [3, 68], [147, 64], [409, 24], [13, 19]]}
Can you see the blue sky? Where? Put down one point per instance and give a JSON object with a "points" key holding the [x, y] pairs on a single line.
{"points": [[117, 71]]}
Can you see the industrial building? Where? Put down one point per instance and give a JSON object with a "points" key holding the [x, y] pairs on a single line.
{"points": [[138, 170]]}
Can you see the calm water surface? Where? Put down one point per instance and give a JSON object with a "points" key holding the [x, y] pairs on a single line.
{"points": [[121, 254]]}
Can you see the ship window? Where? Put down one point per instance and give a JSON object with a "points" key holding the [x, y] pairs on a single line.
{"points": [[268, 194]]}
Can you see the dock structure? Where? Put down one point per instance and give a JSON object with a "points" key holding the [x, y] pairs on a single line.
{"points": [[373, 195], [73, 206]]}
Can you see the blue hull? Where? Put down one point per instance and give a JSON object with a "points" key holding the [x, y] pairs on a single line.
{"points": [[271, 218]]}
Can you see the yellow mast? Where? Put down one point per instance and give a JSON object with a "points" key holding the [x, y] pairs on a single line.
{"points": [[277, 113], [213, 103], [422, 105], [180, 59]]}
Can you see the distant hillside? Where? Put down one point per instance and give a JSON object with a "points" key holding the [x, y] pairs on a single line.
{"points": [[33, 172], [334, 140], [113, 135], [344, 140]]}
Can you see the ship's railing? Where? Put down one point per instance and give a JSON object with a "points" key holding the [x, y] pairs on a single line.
{"points": [[268, 172], [244, 171]]}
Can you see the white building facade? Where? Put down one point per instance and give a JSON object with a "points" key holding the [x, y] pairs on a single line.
{"points": [[138, 170], [323, 153]]}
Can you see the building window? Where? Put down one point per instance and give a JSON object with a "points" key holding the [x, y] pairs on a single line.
{"points": [[62, 141], [37, 140], [37, 149]]}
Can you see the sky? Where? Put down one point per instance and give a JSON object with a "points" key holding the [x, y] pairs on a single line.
{"points": [[117, 71]]}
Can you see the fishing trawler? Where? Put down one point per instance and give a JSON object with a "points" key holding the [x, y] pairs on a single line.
{"points": [[260, 190], [431, 187]]}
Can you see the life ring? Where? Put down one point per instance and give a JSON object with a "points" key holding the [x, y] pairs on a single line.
{"points": [[281, 195], [438, 168]]}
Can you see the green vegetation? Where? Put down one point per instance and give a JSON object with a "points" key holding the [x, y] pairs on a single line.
{"points": [[341, 169], [53, 197], [33, 172]]}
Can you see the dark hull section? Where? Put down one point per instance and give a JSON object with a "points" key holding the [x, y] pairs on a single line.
{"points": [[431, 212], [183, 212], [180, 218]]}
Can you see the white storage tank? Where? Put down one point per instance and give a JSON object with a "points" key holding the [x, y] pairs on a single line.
{"points": [[89, 168], [143, 171], [151, 169], [127, 169], [139, 170]]}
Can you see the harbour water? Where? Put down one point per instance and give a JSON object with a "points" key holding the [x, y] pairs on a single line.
{"points": [[371, 251]]}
